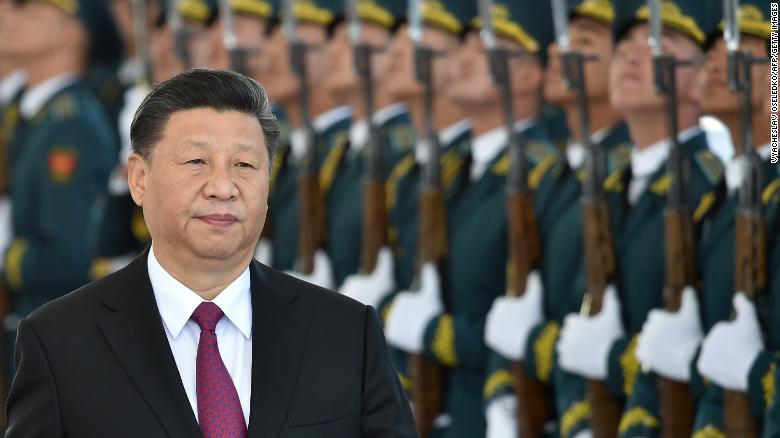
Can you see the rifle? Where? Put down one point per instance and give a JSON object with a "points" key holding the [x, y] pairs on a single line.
{"points": [[374, 232], [181, 36], [427, 387], [676, 400], [524, 253], [238, 55], [606, 410], [311, 214], [142, 43], [750, 269]]}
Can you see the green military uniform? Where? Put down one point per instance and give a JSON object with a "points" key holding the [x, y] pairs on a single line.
{"points": [[61, 155], [764, 379], [343, 196], [562, 270], [283, 205], [717, 249], [477, 230], [639, 235]]}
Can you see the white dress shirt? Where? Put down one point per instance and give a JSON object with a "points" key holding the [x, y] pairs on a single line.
{"points": [[486, 147], [10, 85], [34, 98], [176, 303], [646, 161], [735, 170]]}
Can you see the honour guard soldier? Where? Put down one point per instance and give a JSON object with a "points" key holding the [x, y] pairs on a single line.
{"points": [[317, 124], [661, 169], [734, 355], [444, 320], [390, 128], [444, 24], [62, 151], [526, 328]]}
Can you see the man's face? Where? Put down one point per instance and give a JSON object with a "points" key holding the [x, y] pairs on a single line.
{"points": [[205, 189], [275, 71], [165, 61], [716, 98], [250, 33], [340, 77], [472, 83], [591, 39], [36, 30], [631, 80], [201, 43], [400, 80]]}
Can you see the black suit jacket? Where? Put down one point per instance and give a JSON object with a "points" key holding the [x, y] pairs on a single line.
{"points": [[96, 363]]}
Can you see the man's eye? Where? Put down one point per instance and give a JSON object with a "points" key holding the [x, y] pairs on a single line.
{"points": [[244, 165], [196, 161]]}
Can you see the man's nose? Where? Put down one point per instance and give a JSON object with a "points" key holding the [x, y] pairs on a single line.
{"points": [[220, 185]]}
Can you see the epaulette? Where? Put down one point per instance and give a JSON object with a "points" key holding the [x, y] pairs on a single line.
{"points": [[64, 107], [401, 137], [619, 157], [710, 165]]}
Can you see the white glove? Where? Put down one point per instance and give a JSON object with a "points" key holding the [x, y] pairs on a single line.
{"points": [[6, 229], [584, 344], [668, 340], [501, 417], [510, 320], [413, 310], [370, 289], [587, 433], [322, 275], [731, 347], [264, 252]]}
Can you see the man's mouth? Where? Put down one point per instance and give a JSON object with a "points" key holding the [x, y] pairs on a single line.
{"points": [[219, 220]]}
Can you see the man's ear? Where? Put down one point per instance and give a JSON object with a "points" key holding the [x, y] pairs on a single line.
{"points": [[137, 170]]}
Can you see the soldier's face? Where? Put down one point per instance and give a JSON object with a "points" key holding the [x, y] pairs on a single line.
{"points": [[339, 76], [592, 39], [165, 62], [204, 191], [400, 82], [201, 44], [30, 44], [716, 98], [250, 36], [472, 85], [276, 76], [631, 81], [8, 22]]}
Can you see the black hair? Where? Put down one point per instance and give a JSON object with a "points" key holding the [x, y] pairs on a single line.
{"points": [[221, 90]]}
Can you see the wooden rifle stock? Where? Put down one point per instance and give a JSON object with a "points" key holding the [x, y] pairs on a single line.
{"points": [[750, 278], [374, 224], [311, 222], [606, 409], [524, 253], [676, 400], [427, 384]]}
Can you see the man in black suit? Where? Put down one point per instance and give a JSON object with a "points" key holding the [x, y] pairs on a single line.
{"points": [[194, 338]]}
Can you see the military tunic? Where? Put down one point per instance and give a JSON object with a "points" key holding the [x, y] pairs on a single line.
{"points": [[562, 270], [477, 230]]}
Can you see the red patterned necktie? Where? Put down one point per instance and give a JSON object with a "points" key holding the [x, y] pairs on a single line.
{"points": [[219, 409]]}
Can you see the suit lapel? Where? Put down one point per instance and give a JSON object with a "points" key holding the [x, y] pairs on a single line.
{"points": [[136, 334], [278, 340]]}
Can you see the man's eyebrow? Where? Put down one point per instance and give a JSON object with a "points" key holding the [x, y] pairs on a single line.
{"points": [[203, 144]]}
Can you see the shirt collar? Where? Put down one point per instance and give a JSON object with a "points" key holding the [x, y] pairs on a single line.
{"points": [[329, 118], [11, 85], [36, 97], [487, 146], [644, 162], [575, 150], [176, 302], [734, 167], [385, 114]]}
